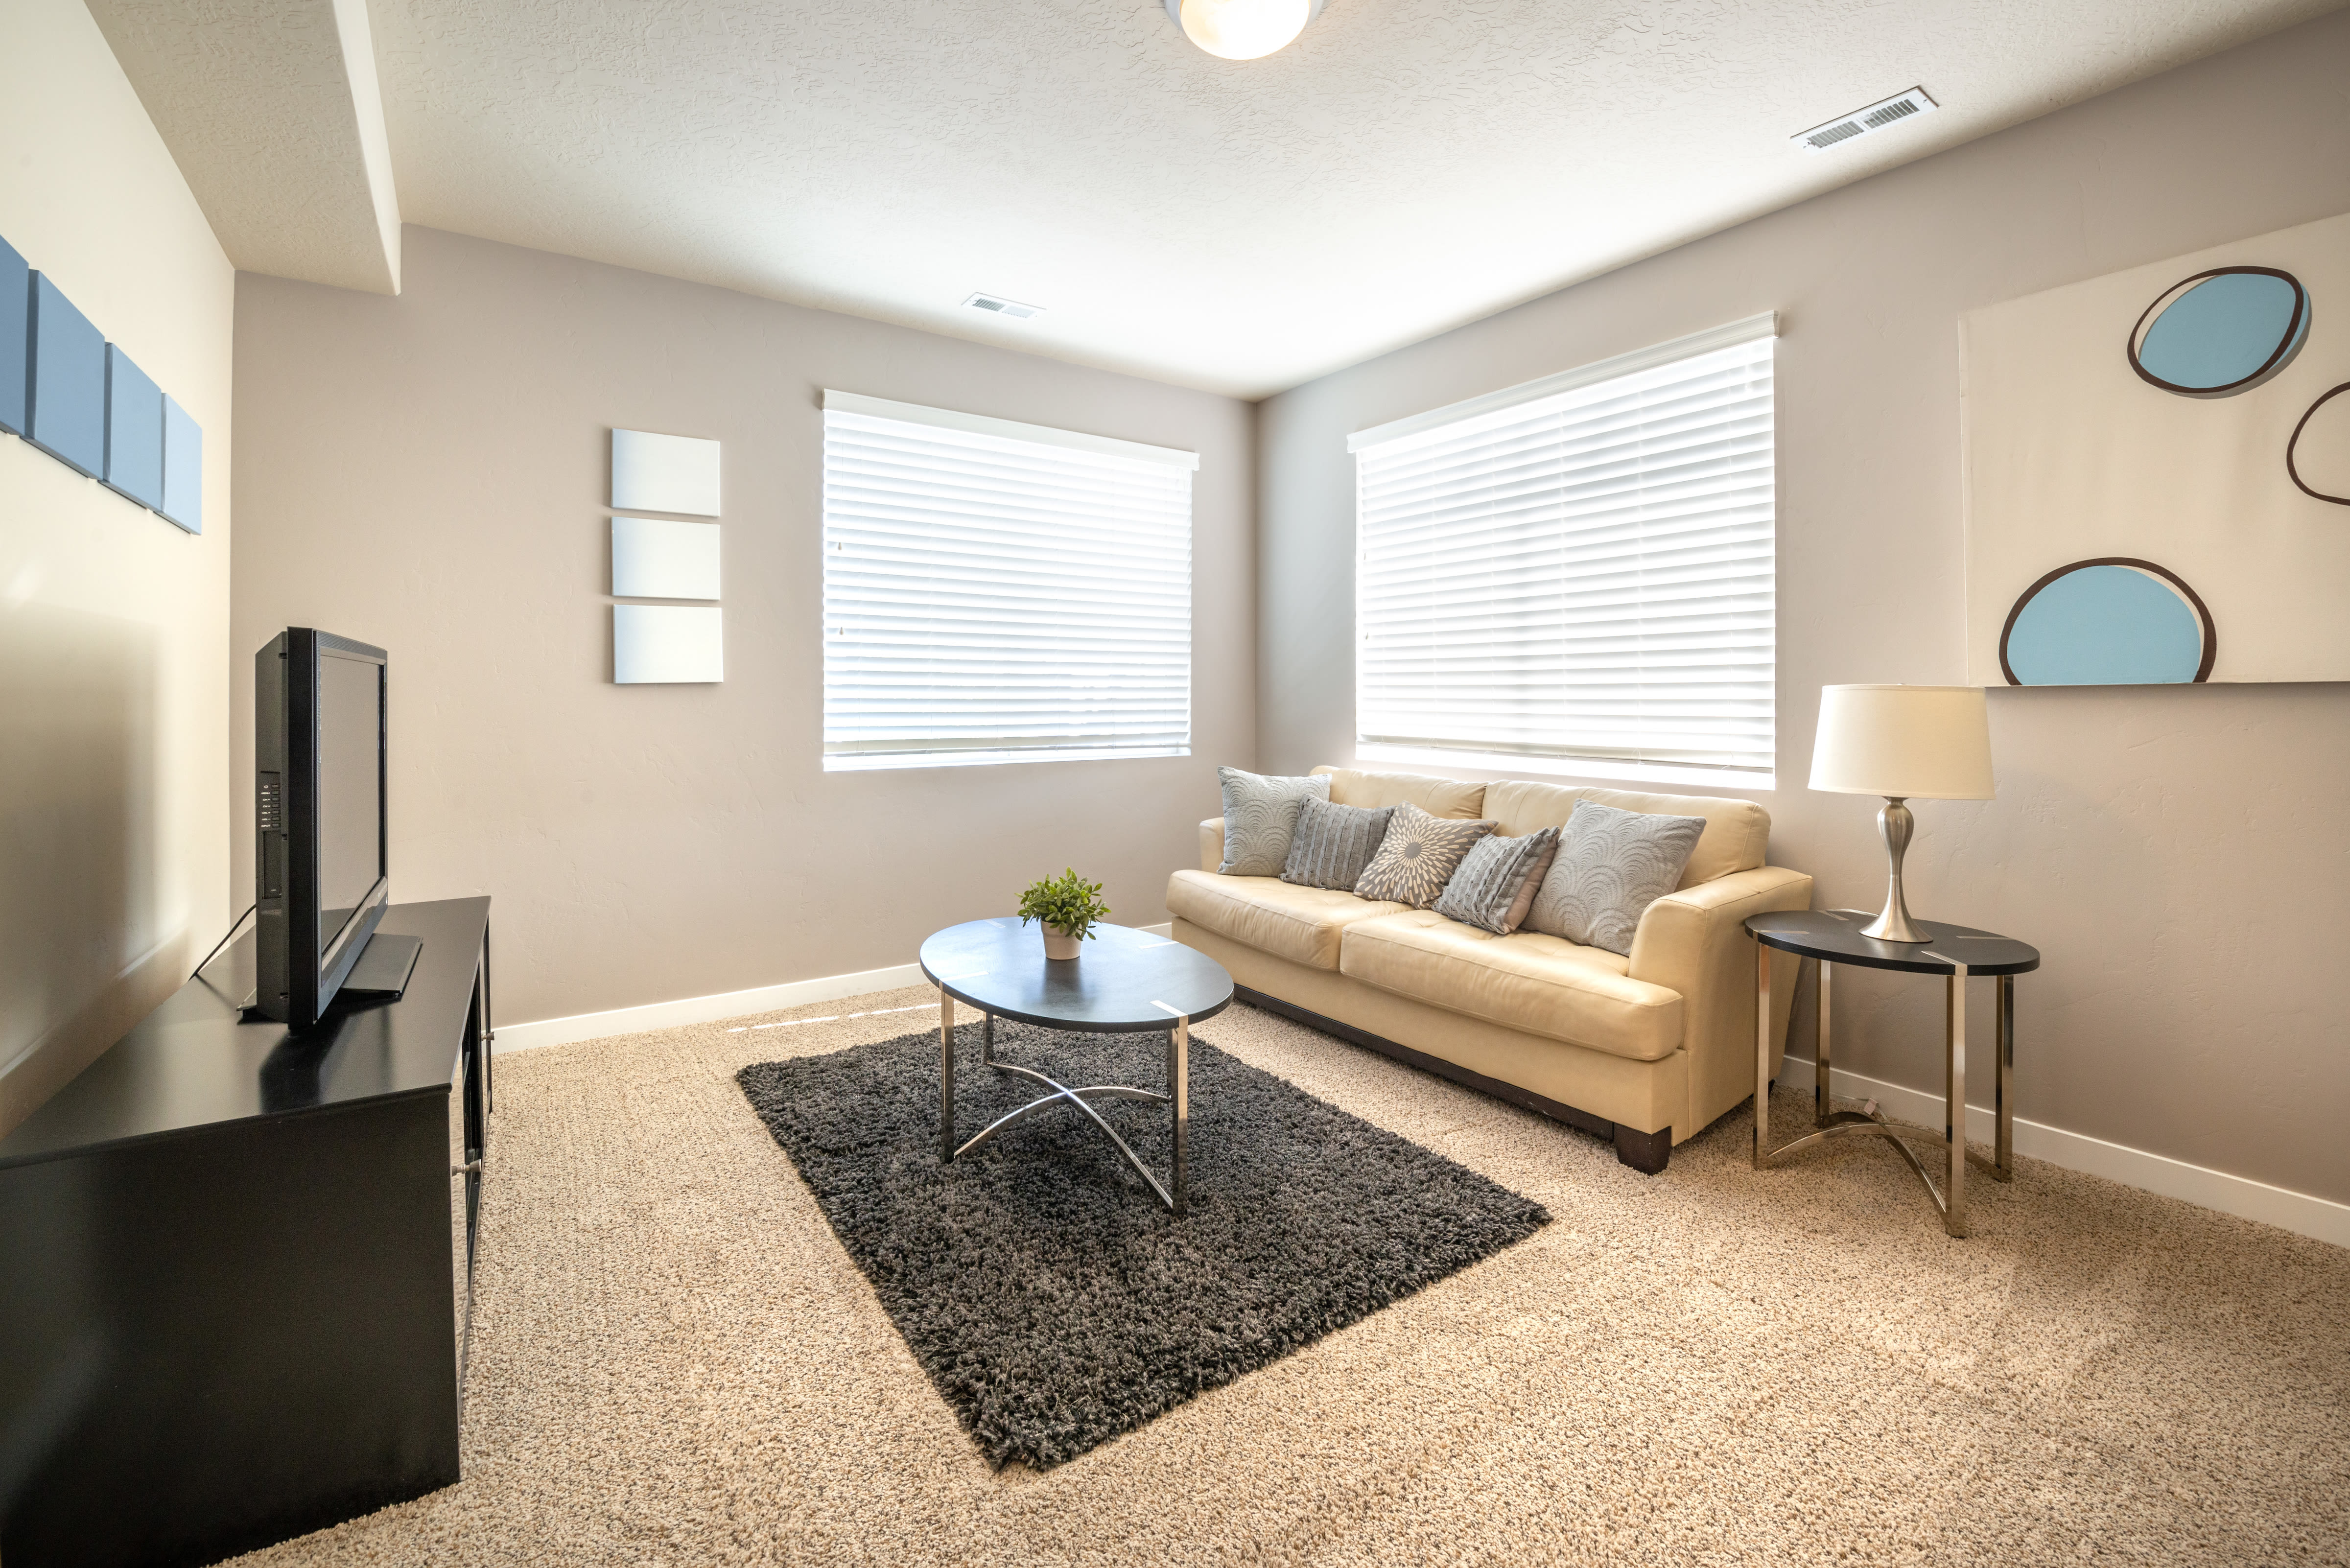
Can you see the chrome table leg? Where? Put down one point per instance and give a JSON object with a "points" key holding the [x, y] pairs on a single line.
{"points": [[1762, 1055], [1177, 1096], [1954, 1111], [2003, 1087], [1822, 1099], [946, 1077], [1178, 1085]]}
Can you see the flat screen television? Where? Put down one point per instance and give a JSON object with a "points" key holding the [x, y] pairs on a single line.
{"points": [[321, 876]]}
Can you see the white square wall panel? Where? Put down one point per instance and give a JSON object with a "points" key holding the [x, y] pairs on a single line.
{"points": [[656, 644], [655, 558], [664, 474]]}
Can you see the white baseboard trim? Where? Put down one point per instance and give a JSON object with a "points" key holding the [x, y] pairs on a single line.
{"points": [[2297, 1211], [709, 1009]]}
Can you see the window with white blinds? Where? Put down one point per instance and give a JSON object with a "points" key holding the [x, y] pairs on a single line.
{"points": [[1576, 576], [997, 592]]}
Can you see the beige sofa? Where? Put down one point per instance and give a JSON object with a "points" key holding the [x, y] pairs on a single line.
{"points": [[1647, 1050]]}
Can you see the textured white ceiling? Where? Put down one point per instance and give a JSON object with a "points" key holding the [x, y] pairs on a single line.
{"points": [[270, 108], [1406, 166]]}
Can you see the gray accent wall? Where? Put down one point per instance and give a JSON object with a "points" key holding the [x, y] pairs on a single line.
{"points": [[428, 473], [2181, 855]]}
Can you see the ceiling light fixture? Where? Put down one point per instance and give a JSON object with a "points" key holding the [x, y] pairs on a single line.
{"points": [[1243, 29]]}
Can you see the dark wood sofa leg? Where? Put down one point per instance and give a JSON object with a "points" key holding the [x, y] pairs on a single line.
{"points": [[1644, 1152]]}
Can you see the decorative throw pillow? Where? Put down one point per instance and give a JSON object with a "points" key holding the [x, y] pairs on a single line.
{"points": [[1333, 843], [1495, 885], [1611, 865], [1259, 815], [1418, 855]]}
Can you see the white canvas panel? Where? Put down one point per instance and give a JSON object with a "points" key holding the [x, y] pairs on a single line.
{"points": [[664, 474], [658, 558], [653, 644], [2071, 455]]}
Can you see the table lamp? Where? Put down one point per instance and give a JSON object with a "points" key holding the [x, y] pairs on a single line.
{"points": [[1904, 743]]}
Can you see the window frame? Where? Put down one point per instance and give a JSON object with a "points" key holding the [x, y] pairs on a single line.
{"points": [[1004, 437], [1471, 759]]}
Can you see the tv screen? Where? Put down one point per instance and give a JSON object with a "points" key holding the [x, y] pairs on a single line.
{"points": [[321, 879], [351, 789]]}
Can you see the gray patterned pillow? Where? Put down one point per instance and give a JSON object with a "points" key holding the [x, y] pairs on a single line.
{"points": [[1611, 865], [1495, 885], [1418, 855], [1333, 843], [1259, 815]]}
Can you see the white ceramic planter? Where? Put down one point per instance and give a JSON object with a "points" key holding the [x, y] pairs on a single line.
{"points": [[1058, 943]]}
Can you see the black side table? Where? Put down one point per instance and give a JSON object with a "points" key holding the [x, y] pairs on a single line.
{"points": [[1829, 937]]}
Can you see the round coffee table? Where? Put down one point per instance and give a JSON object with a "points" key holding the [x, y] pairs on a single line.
{"points": [[1126, 982]]}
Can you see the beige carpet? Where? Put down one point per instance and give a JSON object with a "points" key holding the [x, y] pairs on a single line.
{"points": [[675, 1363]]}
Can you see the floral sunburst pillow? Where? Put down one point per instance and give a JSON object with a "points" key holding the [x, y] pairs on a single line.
{"points": [[1418, 855]]}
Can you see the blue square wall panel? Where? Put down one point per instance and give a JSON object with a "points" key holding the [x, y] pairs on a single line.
{"points": [[68, 416], [16, 316], [134, 431], [183, 468]]}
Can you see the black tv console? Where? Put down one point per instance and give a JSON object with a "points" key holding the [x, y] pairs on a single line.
{"points": [[237, 1266]]}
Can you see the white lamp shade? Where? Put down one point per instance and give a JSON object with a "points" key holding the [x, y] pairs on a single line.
{"points": [[1915, 743]]}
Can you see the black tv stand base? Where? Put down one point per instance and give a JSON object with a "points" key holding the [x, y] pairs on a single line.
{"points": [[383, 968]]}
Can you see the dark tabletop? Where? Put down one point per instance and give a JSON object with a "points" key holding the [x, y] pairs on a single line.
{"points": [[1125, 981], [194, 1061], [1834, 935]]}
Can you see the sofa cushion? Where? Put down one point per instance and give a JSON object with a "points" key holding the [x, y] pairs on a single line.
{"points": [[1610, 867], [1333, 844], [1260, 816], [1737, 832], [1418, 855], [1542, 985], [1300, 924], [1495, 887], [1437, 797]]}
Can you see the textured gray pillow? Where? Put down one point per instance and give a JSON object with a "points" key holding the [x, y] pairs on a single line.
{"points": [[1259, 815], [1495, 885], [1418, 855], [1611, 865], [1333, 844]]}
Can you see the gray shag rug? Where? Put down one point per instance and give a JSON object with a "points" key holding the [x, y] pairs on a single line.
{"points": [[1051, 1298]]}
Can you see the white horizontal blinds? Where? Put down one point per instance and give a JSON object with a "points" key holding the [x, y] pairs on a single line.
{"points": [[991, 599], [1583, 576]]}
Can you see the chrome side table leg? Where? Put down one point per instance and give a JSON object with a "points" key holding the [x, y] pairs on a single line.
{"points": [[1822, 1097], [2004, 1086], [1954, 1110], [946, 1077], [987, 1038], [1179, 1085], [1762, 1054]]}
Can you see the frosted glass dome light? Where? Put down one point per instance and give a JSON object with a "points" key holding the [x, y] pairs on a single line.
{"points": [[1243, 29]]}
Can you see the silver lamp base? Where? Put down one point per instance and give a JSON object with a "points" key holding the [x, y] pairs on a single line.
{"points": [[1894, 924]]}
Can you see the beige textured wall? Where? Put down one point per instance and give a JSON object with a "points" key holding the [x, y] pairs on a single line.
{"points": [[2181, 855], [113, 695], [428, 473]]}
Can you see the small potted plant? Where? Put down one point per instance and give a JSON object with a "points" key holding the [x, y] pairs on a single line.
{"points": [[1066, 908]]}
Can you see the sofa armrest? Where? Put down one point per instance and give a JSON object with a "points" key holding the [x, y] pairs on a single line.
{"points": [[1211, 844], [1678, 933], [1695, 943]]}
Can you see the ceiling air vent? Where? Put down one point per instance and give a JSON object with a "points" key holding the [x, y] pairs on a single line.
{"points": [[1861, 121], [996, 306]]}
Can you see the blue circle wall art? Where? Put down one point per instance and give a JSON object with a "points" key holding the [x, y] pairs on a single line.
{"points": [[2221, 332], [2327, 453], [2113, 621]]}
